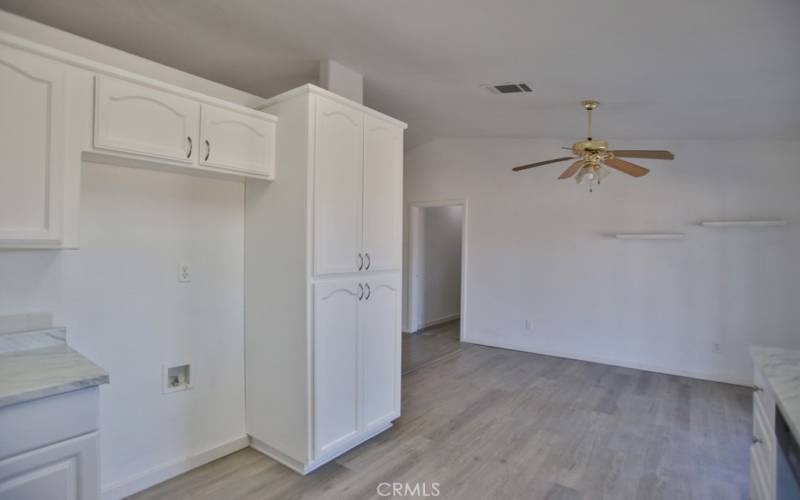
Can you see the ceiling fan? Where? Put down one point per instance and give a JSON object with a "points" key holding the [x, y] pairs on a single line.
{"points": [[593, 156]]}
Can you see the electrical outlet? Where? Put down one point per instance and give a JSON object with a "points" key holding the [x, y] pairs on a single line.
{"points": [[528, 325], [716, 347], [184, 274]]}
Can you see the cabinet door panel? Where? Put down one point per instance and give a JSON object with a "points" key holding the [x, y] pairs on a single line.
{"points": [[336, 415], [383, 194], [379, 324], [236, 141], [338, 168], [137, 119], [32, 141], [62, 471]]}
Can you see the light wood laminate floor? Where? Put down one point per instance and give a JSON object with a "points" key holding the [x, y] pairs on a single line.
{"points": [[490, 423], [429, 345]]}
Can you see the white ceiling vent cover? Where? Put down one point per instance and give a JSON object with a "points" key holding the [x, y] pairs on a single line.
{"points": [[509, 88]]}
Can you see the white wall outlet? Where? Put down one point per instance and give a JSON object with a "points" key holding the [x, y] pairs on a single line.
{"points": [[184, 273], [716, 347], [177, 377], [528, 325]]}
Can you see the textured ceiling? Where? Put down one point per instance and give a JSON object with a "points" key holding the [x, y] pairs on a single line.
{"points": [[662, 69]]}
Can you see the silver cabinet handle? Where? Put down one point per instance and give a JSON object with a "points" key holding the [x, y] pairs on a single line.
{"points": [[369, 291], [208, 150], [189, 153], [360, 291], [757, 388], [756, 440], [360, 262], [369, 261]]}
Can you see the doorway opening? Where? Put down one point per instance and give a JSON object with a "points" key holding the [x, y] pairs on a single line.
{"points": [[435, 316]]}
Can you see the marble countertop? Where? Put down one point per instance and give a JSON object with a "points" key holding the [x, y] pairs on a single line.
{"points": [[38, 364], [781, 368]]}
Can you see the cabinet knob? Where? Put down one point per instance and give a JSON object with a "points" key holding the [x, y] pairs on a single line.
{"points": [[360, 262], [189, 153], [208, 150], [756, 440], [369, 261], [757, 388]]}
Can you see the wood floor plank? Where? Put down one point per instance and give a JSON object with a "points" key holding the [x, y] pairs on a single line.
{"points": [[491, 423]]}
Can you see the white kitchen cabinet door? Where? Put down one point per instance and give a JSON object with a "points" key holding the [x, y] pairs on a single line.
{"points": [[336, 370], [236, 141], [136, 119], [61, 471], [383, 194], [338, 177], [379, 332], [32, 148]]}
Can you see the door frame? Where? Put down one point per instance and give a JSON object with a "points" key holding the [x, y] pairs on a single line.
{"points": [[415, 239]]}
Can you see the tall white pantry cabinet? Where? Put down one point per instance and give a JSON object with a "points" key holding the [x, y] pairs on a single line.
{"points": [[323, 256]]}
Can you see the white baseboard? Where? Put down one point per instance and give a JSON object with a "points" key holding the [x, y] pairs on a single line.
{"points": [[161, 473], [713, 377], [305, 468], [438, 321]]}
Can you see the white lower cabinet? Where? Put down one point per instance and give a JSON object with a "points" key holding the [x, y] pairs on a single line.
{"points": [[49, 448], [62, 471], [356, 358], [336, 363], [378, 327]]}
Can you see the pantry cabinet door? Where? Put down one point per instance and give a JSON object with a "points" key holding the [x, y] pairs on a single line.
{"points": [[137, 119], [379, 332], [338, 172], [336, 369], [32, 148], [236, 141], [383, 195]]}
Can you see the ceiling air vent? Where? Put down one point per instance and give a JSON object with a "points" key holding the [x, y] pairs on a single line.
{"points": [[509, 88]]}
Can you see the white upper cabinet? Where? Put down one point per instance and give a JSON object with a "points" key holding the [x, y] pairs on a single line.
{"points": [[338, 188], [237, 141], [32, 148], [336, 366], [379, 334], [137, 119], [383, 194]]}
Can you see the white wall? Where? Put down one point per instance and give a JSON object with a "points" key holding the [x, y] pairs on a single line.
{"points": [[124, 309], [538, 249], [441, 263]]}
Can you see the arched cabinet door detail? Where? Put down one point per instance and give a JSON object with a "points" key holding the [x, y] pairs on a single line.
{"points": [[338, 153], [32, 146], [137, 119], [235, 141], [379, 332], [383, 194], [336, 366]]}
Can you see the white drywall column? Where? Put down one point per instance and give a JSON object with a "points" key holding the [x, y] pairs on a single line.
{"points": [[341, 80]]}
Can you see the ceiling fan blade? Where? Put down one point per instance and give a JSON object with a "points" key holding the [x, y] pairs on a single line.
{"points": [[539, 164], [571, 170], [644, 153], [626, 167]]}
